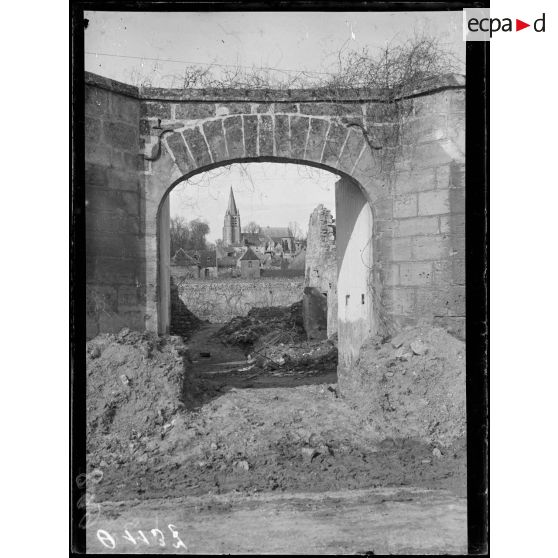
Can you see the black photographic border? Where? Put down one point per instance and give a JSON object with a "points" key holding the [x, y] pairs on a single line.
{"points": [[477, 238]]}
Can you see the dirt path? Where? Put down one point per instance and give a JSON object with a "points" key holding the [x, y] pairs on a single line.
{"points": [[228, 366], [397, 521], [209, 356]]}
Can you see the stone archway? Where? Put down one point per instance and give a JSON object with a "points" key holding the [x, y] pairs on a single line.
{"points": [[288, 138], [418, 205]]}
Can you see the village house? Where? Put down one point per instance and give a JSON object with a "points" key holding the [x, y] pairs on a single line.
{"points": [[194, 264], [249, 265]]}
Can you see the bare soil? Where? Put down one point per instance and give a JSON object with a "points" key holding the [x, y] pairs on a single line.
{"points": [[413, 385], [166, 421]]}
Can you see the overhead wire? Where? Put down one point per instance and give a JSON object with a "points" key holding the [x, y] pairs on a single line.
{"points": [[193, 63]]}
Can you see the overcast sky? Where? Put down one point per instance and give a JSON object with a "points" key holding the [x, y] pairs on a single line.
{"points": [[271, 194], [287, 40], [268, 193]]}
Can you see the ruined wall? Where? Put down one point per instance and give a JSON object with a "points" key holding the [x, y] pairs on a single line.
{"points": [[114, 251], [321, 264], [220, 300]]}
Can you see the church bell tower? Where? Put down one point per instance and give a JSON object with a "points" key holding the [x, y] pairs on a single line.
{"points": [[231, 226]]}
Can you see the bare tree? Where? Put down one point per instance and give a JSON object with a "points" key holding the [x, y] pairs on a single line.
{"points": [[394, 70], [198, 231], [296, 230], [252, 228], [188, 236], [179, 234]]}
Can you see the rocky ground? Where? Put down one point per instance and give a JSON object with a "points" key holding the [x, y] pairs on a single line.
{"points": [[255, 412]]}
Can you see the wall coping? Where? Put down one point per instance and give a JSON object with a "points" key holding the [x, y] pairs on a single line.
{"points": [[315, 95], [111, 85]]}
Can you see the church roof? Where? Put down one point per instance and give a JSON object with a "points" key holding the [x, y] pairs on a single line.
{"points": [[249, 255], [231, 209], [277, 232], [182, 258], [255, 239]]}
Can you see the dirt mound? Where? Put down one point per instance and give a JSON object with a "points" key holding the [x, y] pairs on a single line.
{"points": [[280, 439], [413, 385], [136, 385], [283, 429], [273, 321]]}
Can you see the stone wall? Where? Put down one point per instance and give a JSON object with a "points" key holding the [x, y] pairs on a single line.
{"points": [[321, 264], [183, 322], [180, 272], [114, 250], [420, 228], [220, 300], [417, 198]]}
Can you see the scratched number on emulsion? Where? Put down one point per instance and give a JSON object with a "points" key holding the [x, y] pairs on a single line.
{"points": [[157, 538]]}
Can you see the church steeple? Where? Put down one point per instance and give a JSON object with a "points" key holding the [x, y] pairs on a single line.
{"points": [[232, 210], [231, 226]]}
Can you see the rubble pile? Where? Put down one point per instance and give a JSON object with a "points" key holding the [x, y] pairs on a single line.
{"points": [[137, 383], [283, 323], [274, 339], [412, 385], [270, 353]]}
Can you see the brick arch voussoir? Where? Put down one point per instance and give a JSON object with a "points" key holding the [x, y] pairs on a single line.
{"points": [[175, 145], [301, 138], [317, 139]]}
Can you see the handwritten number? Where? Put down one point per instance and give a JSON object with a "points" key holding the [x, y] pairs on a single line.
{"points": [[90, 517], [162, 539], [179, 542], [129, 537], [81, 479], [143, 537], [106, 539], [95, 477], [93, 510]]}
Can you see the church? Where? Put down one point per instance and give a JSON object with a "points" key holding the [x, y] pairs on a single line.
{"points": [[268, 240]]}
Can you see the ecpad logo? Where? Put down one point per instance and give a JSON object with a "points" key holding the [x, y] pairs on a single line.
{"points": [[479, 26]]}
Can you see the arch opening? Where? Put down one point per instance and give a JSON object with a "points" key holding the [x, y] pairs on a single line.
{"points": [[347, 299]]}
